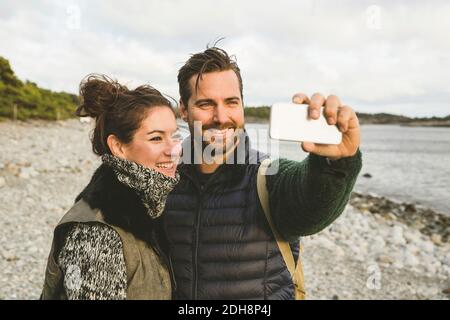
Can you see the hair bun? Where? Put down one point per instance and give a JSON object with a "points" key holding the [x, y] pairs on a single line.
{"points": [[98, 93]]}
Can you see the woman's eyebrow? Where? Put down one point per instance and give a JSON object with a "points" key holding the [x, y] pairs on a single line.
{"points": [[153, 131], [162, 131]]}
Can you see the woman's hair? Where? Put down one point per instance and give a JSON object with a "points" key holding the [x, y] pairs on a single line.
{"points": [[117, 110]]}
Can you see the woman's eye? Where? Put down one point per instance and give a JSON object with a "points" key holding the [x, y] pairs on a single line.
{"points": [[155, 139]]}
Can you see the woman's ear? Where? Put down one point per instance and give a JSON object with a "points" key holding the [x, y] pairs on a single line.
{"points": [[183, 111], [116, 146]]}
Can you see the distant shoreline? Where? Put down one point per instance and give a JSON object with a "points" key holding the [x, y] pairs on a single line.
{"points": [[433, 124], [256, 120], [262, 114], [25, 100]]}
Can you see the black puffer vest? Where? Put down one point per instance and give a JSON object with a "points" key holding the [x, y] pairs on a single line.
{"points": [[221, 245]]}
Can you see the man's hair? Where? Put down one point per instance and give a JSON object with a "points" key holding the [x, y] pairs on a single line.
{"points": [[212, 59]]}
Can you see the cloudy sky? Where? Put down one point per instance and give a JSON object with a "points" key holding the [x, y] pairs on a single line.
{"points": [[378, 56]]}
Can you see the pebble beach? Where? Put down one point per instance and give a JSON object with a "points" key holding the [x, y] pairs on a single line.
{"points": [[377, 249]]}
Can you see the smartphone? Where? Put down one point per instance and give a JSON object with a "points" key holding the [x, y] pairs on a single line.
{"points": [[289, 121]]}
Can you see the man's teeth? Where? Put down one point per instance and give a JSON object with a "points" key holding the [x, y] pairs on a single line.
{"points": [[165, 165], [215, 131]]}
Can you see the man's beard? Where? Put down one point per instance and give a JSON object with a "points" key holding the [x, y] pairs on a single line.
{"points": [[217, 140]]}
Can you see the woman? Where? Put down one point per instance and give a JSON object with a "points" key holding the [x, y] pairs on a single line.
{"points": [[108, 245]]}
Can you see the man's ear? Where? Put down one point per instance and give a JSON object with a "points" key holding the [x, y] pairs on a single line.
{"points": [[116, 146], [183, 111]]}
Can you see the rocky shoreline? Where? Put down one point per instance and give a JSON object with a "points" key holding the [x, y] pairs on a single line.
{"points": [[430, 223], [381, 249], [377, 249]]}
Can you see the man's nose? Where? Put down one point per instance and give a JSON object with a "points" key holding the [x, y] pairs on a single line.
{"points": [[220, 114]]}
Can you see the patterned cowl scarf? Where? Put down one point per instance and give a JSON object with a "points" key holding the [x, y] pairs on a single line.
{"points": [[151, 186]]}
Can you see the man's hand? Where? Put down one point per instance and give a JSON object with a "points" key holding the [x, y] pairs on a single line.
{"points": [[336, 114]]}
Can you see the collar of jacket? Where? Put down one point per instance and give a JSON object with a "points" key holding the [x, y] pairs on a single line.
{"points": [[225, 172], [120, 205]]}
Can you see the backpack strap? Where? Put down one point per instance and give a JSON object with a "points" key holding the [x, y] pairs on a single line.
{"points": [[285, 249]]}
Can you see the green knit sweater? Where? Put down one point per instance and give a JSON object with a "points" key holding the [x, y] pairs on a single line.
{"points": [[305, 197]]}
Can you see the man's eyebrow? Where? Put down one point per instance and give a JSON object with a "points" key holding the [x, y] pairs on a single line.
{"points": [[204, 101], [200, 101], [232, 98]]}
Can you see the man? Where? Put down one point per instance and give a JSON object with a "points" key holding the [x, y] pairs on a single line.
{"points": [[221, 245]]}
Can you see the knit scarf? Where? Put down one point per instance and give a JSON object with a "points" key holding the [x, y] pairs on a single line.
{"points": [[151, 186]]}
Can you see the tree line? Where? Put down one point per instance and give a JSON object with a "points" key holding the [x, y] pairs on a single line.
{"points": [[24, 100]]}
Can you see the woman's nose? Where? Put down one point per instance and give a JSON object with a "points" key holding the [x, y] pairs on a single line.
{"points": [[173, 149]]}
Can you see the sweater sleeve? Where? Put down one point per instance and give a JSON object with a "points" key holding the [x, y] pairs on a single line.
{"points": [[305, 197], [93, 263]]}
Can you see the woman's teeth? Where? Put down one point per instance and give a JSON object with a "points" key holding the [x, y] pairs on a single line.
{"points": [[165, 165]]}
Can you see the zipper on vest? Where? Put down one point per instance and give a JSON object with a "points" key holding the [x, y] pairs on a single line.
{"points": [[167, 259], [195, 252]]}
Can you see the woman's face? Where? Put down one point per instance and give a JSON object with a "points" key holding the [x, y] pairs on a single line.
{"points": [[157, 142]]}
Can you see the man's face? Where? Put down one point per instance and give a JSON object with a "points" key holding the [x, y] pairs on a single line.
{"points": [[218, 105]]}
